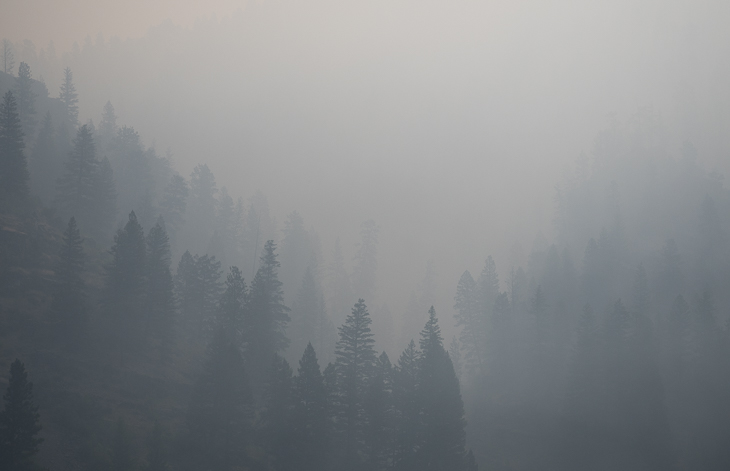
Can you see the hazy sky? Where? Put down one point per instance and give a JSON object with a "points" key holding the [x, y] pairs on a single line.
{"points": [[448, 122]]}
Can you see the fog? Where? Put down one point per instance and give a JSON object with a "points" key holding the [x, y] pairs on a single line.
{"points": [[418, 138]]}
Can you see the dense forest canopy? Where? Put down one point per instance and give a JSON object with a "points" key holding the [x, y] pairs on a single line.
{"points": [[376, 238]]}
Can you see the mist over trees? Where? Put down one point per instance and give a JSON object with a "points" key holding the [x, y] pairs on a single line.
{"points": [[189, 315]]}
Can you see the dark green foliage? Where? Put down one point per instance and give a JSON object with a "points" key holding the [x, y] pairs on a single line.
{"points": [[69, 97], [13, 166], [267, 316], [19, 422], [309, 422], [68, 308]]}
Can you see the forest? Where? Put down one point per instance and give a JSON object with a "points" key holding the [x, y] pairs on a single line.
{"points": [[153, 320]]}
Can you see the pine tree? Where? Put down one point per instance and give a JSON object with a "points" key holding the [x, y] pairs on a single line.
{"points": [[126, 282], [443, 436], [201, 207], [340, 288], [19, 422], [310, 425], [26, 100], [106, 199], [68, 308], [159, 297], [355, 362], [13, 166], [277, 414], [219, 416], [197, 286], [69, 97], [267, 316]]}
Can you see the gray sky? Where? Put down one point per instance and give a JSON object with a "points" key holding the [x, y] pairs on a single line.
{"points": [[449, 123]]}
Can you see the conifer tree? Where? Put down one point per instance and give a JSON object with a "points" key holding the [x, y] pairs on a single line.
{"points": [[219, 416], [355, 362], [443, 436], [26, 100], [68, 307], [19, 422], [197, 285], [13, 166], [159, 297], [310, 425], [69, 97], [267, 316], [126, 282]]}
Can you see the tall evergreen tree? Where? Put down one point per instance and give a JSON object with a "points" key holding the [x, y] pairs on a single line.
{"points": [[159, 298], [68, 308], [13, 166], [26, 100], [126, 279], [309, 320], [19, 422], [443, 435], [197, 286], [220, 412], [355, 362], [69, 97], [107, 127], [267, 316], [310, 425]]}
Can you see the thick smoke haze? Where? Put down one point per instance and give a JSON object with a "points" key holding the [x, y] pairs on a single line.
{"points": [[449, 123], [568, 154]]}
